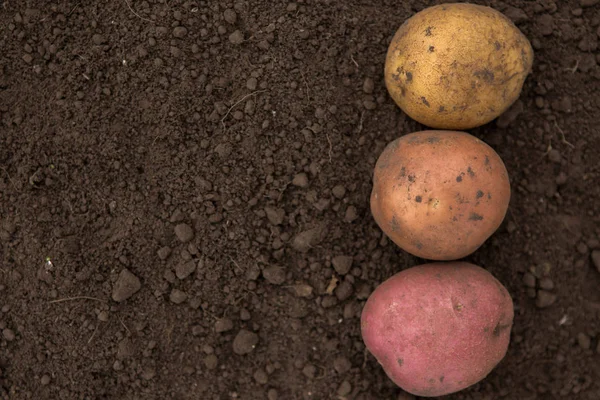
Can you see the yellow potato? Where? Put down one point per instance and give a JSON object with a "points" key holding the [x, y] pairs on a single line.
{"points": [[457, 66]]}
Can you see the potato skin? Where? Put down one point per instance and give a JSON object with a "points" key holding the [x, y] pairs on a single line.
{"points": [[438, 328], [439, 195], [457, 66]]}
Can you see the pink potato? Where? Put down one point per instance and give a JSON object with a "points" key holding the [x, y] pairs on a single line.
{"points": [[438, 328]]}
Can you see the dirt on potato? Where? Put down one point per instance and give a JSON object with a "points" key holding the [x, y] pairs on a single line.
{"points": [[184, 200]]}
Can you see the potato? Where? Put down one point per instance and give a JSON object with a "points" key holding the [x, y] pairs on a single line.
{"points": [[439, 195], [438, 328], [457, 66]]}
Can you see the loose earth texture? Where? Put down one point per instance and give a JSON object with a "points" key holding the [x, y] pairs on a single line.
{"points": [[221, 153]]}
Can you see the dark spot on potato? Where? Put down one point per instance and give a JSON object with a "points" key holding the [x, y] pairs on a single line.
{"points": [[459, 178], [497, 45], [479, 194], [486, 329], [461, 200], [428, 31], [499, 328], [487, 160], [442, 378], [424, 100], [454, 218], [431, 49], [473, 85], [402, 91], [524, 59], [418, 245], [418, 199], [395, 224], [431, 381], [438, 276], [485, 74], [441, 109], [489, 196], [475, 217], [411, 178], [470, 172], [433, 139], [402, 172], [409, 77], [400, 362], [450, 208]]}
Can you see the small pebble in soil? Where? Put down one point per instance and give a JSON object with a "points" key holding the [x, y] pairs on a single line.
{"points": [[103, 316], [272, 394], [545, 299], [368, 86], [274, 275], [584, 341], [183, 270], [344, 389], [236, 37], [342, 365], [8, 334], [230, 16], [351, 214], [303, 290], [184, 232], [309, 371], [344, 290], [223, 325], [177, 296], [300, 180], [261, 377], [529, 280], [342, 264], [45, 380], [117, 365], [338, 192], [306, 240], [245, 315], [211, 361], [127, 285], [164, 252], [244, 342], [275, 215], [180, 32]]}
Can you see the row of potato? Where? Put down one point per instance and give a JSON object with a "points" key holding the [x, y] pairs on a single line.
{"points": [[439, 194]]}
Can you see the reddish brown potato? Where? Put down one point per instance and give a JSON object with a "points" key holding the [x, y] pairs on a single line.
{"points": [[438, 328], [439, 195]]}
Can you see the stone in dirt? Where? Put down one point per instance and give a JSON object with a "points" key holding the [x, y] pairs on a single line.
{"points": [[185, 269], [244, 342], [274, 275], [127, 285], [308, 239], [184, 232], [342, 264], [545, 299]]}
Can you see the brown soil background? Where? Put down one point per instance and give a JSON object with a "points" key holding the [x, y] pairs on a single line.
{"points": [[117, 126]]}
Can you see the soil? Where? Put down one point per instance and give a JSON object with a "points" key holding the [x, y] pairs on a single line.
{"points": [[184, 200]]}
